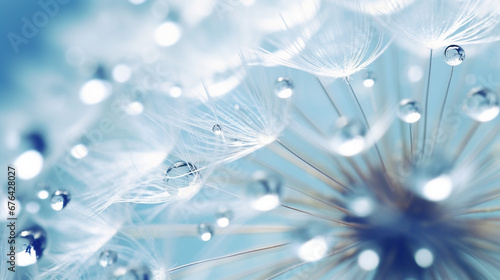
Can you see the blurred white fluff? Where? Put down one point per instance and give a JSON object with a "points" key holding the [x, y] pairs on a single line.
{"points": [[224, 128], [436, 24], [337, 43]]}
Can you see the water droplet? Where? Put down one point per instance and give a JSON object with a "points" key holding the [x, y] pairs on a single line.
{"points": [[59, 199], [433, 179], [236, 106], [454, 55], [123, 273], [265, 193], [107, 258], [368, 260], [175, 91], [314, 249], [79, 151], [181, 177], [43, 191], [95, 91], [369, 80], [134, 108], [30, 244], [224, 216], [206, 231], [283, 87], [362, 206], [167, 34], [349, 137], [29, 164], [409, 111], [424, 257], [481, 105], [217, 129]]}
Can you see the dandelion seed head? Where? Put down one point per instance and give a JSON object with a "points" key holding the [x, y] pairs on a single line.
{"points": [[450, 22]]}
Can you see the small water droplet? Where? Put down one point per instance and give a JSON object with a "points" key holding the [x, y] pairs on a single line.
{"points": [[59, 199], [369, 80], [283, 87], [43, 191], [224, 216], [454, 55], [265, 192], [217, 129], [409, 111], [30, 244], [79, 151], [175, 91], [206, 231], [180, 177], [481, 105], [349, 137], [107, 258], [236, 106]]}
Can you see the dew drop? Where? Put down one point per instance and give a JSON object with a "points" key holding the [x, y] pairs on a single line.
{"points": [[424, 257], [265, 193], [79, 151], [409, 111], [95, 91], [206, 231], [31, 243], [224, 216], [59, 200], [181, 177], [369, 80], [167, 34], [43, 191], [481, 105], [107, 258], [283, 87], [368, 260], [123, 273], [175, 91], [454, 55], [217, 129], [349, 137]]}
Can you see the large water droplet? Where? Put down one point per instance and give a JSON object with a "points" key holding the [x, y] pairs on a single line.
{"points": [[265, 193], [30, 244], [217, 129], [349, 137], [180, 177], [107, 258], [454, 55], [59, 199], [283, 87], [206, 231], [409, 111], [481, 104]]}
